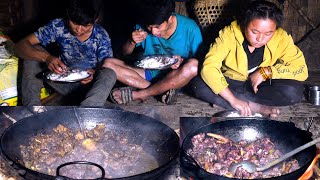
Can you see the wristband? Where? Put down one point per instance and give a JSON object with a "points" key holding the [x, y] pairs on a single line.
{"points": [[263, 73], [270, 72]]}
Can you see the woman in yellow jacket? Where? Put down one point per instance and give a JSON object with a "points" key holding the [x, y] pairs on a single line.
{"points": [[253, 65]]}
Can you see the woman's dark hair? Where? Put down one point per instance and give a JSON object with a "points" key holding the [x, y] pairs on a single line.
{"points": [[261, 9], [82, 12], [154, 12]]}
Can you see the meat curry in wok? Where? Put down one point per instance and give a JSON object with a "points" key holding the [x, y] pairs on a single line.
{"points": [[110, 149], [215, 154]]}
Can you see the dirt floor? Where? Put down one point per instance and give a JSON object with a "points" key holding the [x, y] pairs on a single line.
{"points": [[304, 114]]}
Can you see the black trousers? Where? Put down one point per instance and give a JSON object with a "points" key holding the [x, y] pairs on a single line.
{"points": [[281, 92]]}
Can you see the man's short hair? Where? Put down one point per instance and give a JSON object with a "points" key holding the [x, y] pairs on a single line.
{"points": [[82, 12], [154, 12]]}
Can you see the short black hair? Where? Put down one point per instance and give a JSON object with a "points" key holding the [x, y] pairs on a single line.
{"points": [[260, 9], [82, 12], [154, 12]]}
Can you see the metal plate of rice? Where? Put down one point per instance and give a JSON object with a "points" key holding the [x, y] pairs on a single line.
{"points": [[156, 62]]}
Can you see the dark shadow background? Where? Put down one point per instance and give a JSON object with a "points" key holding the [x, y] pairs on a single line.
{"points": [[116, 16], [43, 12]]}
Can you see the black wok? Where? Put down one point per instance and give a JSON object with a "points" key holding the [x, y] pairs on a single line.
{"points": [[155, 137], [285, 136]]}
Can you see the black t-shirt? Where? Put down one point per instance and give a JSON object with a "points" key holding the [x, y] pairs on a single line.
{"points": [[254, 58]]}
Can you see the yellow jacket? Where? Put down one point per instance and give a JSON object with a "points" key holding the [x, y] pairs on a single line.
{"points": [[227, 58]]}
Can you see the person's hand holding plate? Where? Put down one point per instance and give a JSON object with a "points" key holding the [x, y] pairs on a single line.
{"points": [[177, 65], [90, 78]]}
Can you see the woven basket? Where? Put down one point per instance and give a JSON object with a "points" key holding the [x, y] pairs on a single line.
{"points": [[213, 11]]}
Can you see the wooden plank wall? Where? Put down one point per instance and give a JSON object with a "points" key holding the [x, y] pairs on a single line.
{"points": [[10, 14], [294, 23], [305, 31], [310, 46]]}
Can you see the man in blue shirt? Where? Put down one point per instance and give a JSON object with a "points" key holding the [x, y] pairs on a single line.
{"points": [[159, 31], [83, 44]]}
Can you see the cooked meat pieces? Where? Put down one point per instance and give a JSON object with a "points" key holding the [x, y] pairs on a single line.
{"points": [[108, 148], [216, 153]]}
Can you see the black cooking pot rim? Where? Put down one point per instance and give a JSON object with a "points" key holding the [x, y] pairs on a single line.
{"points": [[224, 119], [162, 167], [229, 119]]}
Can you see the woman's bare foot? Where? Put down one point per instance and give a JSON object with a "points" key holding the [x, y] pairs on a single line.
{"points": [[268, 111]]}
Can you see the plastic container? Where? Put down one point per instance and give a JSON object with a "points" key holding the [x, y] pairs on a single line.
{"points": [[314, 95]]}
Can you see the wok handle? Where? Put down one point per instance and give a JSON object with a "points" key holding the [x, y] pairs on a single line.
{"points": [[190, 163], [103, 173], [289, 154]]}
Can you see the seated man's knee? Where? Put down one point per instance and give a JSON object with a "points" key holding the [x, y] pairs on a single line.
{"points": [[110, 63], [108, 73], [192, 67]]}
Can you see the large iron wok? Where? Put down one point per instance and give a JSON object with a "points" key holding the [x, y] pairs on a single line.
{"points": [[285, 136], [155, 137]]}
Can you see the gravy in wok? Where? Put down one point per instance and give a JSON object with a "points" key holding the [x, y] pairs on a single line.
{"points": [[112, 150], [215, 154]]}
